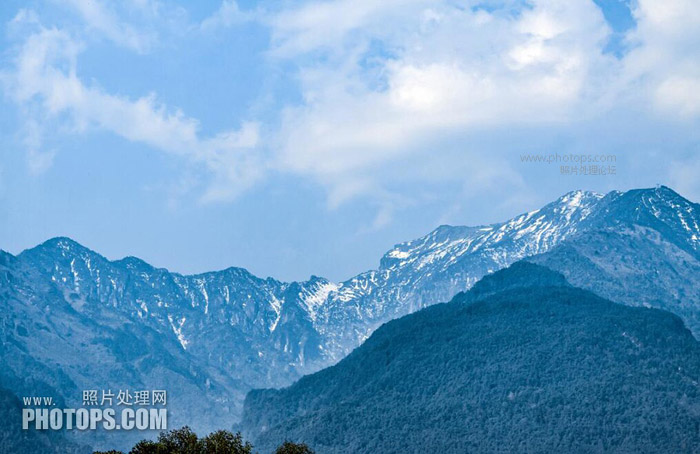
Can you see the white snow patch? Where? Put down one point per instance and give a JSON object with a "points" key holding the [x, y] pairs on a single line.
{"points": [[315, 298], [200, 285], [177, 329], [76, 278], [396, 254], [276, 305]]}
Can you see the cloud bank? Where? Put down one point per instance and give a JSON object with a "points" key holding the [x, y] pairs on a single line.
{"points": [[389, 93]]}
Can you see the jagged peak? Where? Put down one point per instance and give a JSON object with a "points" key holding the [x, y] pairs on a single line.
{"points": [[579, 193], [62, 244], [232, 272], [132, 262], [314, 279], [657, 193], [576, 199]]}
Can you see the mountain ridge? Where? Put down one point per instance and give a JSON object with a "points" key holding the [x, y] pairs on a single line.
{"points": [[442, 252], [219, 334]]}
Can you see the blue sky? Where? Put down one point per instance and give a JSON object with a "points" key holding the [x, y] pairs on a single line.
{"points": [[299, 138]]}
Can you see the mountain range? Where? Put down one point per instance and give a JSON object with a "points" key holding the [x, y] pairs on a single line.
{"points": [[524, 362], [73, 320]]}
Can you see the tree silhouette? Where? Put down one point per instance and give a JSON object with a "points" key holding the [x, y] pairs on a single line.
{"points": [[293, 448], [184, 441], [222, 441]]}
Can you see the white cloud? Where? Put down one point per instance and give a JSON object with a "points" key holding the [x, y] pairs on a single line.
{"points": [[325, 24], [663, 63], [22, 18], [100, 18], [38, 160], [680, 95], [46, 84], [227, 15], [444, 70], [384, 83], [391, 90]]}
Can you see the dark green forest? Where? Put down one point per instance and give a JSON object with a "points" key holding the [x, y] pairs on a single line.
{"points": [[523, 363]]}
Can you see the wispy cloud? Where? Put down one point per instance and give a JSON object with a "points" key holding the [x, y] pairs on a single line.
{"points": [[227, 15], [325, 25], [440, 70], [45, 82], [100, 18]]}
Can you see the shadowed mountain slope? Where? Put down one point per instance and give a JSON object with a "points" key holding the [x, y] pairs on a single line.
{"points": [[539, 366]]}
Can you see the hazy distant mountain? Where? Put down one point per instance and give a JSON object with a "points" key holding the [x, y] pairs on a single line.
{"points": [[522, 363], [73, 320], [14, 440]]}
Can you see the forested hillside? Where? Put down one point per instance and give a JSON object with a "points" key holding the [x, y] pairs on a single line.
{"points": [[538, 367]]}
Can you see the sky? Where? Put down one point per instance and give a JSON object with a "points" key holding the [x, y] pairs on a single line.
{"points": [[308, 137]]}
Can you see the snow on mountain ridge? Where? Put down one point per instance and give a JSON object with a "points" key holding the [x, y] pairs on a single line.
{"points": [[316, 295], [242, 331], [471, 239], [433, 268]]}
